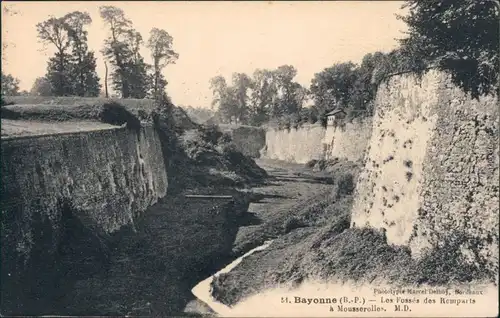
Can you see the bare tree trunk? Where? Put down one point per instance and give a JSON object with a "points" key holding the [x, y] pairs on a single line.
{"points": [[156, 85], [106, 80], [82, 89], [61, 84], [157, 75]]}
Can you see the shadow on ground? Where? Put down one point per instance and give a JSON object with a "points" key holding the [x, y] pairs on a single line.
{"points": [[248, 219], [322, 180], [149, 270], [256, 197]]}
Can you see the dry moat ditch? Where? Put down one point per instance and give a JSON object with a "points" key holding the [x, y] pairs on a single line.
{"points": [[151, 269], [146, 270], [165, 265]]}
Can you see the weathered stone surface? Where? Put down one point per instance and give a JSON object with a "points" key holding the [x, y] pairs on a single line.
{"points": [[349, 141], [249, 140], [431, 173], [314, 142], [295, 145], [105, 177]]}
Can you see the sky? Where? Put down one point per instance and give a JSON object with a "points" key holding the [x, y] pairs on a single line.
{"points": [[218, 38]]}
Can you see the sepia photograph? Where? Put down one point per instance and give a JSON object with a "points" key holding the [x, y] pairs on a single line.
{"points": [[250, 158]]}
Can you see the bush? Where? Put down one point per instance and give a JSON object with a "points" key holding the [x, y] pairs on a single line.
{"points": [[9, 114], [323, 120], [142, 114], [117, 114], [5, 103], [225, 139], [444, 263], [311, 163], [313, 118], [197, 148], [345, 184], [293, 223], [211, 134], [229, 178]]}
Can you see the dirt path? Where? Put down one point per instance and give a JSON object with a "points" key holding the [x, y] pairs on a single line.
{"points": [[291, 184]]}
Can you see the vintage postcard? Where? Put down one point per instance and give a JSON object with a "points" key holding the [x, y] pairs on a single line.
{"points": [[250, 158]]}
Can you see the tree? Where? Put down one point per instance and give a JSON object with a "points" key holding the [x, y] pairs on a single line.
{"points": [[10, 85], [269, 94], [461, 37], [70, 72], [312, 114], [225, 100], [263, 93], [115, 48], [228, 110], [122, 49], [218, 86], [285, 102], [162, 54], [363, 90], [299, 95], [41, 87], [331, 87], [83, 75], [136, 69], [198, 114], [54, 31], [241, 86]]}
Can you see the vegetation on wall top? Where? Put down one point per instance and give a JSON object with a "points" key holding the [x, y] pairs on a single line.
{"points": [[461, 37]]}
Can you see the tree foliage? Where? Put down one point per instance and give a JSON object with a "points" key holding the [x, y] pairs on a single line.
{"points": [[240, 96], [130, 74], [263, 92], [41, 87], [116, 48], [54, 31], [136, 69], [72, 70], [83, 75], [218, 86], [363, 90], [350, 86], [10, 85], [459, 36], [331, 87], [160, 43], [198, 114], [7, 10], [286, 101], [254, 100]]}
